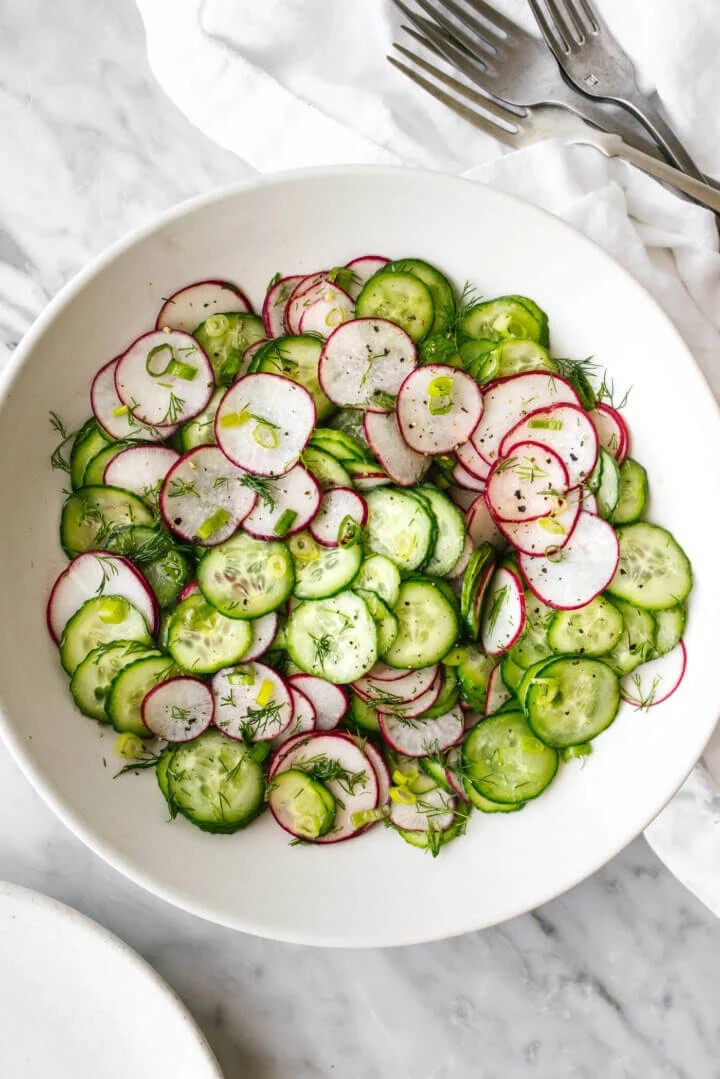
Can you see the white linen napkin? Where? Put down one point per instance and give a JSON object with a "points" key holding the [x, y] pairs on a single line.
{"points": [[287, 83]]}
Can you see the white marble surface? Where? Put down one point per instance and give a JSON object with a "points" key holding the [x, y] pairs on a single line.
{"points": [[618, 978]]}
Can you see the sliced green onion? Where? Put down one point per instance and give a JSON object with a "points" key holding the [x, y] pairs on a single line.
{"points": [[173, 366], [549, 524], [303, 548], [129, 746], [349, 532], [335, 316], [265, 434], [546, 425], [277, 567], [217, 325], [265, 693], [242, 676], [235, 419], [439, 406], [403, 796], [554, 554], [259, 752], [441, 386], [114, 610], [213, 524], [573, 752], [367, 816], [121, 410], [285, 522]]}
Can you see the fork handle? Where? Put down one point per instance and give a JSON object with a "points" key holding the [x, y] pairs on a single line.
{"points": [[648, 109], [700, 191]]}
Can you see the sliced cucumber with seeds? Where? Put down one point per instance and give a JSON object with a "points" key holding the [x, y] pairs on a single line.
{"points": [[637, 640], [513, 357], [505, 762], [449, 694], [669, 628], [202, 640], [92, 677], [383, 617], [401, 298], [474, 583], [653, 572], [301, 804], [129, 688], [592, 630], [533, 644], [224, 337], [440, 289], [512, 673], [89, 441], [339, 444], [450, 538], [428, 626], [333, 638], [246, 577], [380, 575], [101, 620], [504, 317], [216, 782], [399, 527], [473, 673], [91, 514], [572, 700], [605, 482], [326, 469], [634, 492], [322, 571]]}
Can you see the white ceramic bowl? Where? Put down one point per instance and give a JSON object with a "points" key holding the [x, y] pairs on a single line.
{"points": [[375, 890]]}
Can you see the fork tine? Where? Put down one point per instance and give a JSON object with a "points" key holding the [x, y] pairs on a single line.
{"points": [[583, 16], [442, 45], [464, 17], [430, 29], [460, 34], [556, 43], [507, 26], [468, 114], [491, 105], [562, 26]]}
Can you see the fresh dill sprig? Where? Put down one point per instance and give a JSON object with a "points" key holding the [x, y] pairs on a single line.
{"points": [[261, 486], [323, 647], [607, 392], [179, 488], [58, 460], [326, 769], [174, 409], [108, 568]]}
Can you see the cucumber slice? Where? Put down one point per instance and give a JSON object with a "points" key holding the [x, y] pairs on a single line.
{"points": [[224, 338], [440, 289], [507, 316], [605, 482], [297, 358], [301, 804], [401, 298], [166, 568], [449, 694], [216, 783], [486, 805], [245, 577], [167, 576], [669, 628], [473, 673], [637, 642], [91, 678], [505, 762], [339, 444], [363, 715], [202, 640], [89, 441], [101, 620], [513, 357], [384, 619], [95, 471], [653, 572], [92, 514], [428, 626], [541, 317], [450, 538], [533, 644], [571, 701], [634, 493], [322, 571], [512, 673], [474, 584], [593, 630], [161, 774], [129, 688], [326, 469], [200, 431], [333, 638], [378, 574], [399, 527]]}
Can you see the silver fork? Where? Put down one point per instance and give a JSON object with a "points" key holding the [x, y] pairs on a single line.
{"points": [[514, 65], [521, 127], [599, 67]]}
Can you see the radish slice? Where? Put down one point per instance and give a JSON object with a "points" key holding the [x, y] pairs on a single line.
{"points": [[98, 573], [141, 469], [190, 306], [363, 269], [498, 693], [462, 497], [503, 615], [435, 809], [288, 503], [352, 797], [403, 465], [263, 423], [589, 502], [462, 562], [247, 358], [364, 361], [510, 399], [611, 430], [579, 571], [332, 308], [438, 407], [408, 687], [276, 298], [391, 702], [304, 718], [164, 378], [366, 481], [381, 672], [381, 770], [342, 514], [178, 710], [204, 498], [114, 417], [420, 737], [472, 461], [453, 774], [567, 430], [305, 292], [552, 531], [263, 635], [655, 681], [481, 527], [330, 702], [190, 589], [465, 480], [527, 484], [251, 702]]}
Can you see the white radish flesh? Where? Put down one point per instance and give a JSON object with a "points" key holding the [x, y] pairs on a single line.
{"points": [[465, 480], [164, 378], [655, 681], [287, 503], [472, 461], [276, 298], [99, 573], [503, 613], [567, 430], [412, 708], [114, 417], [527, 484], [536, 536], [579, 571], [510, 399], [480, 525], [462, 562], [263, 423], [190, 306], [422, 737], [403, 465], [438, 407], [178, 710], [381, 771], [204, 498], [263, 635], [341, 512], [329, 701], [304, 718], [141, 469], [407, 687], [365, 361], [331, 309], [307, 290], [611, 430], [434, 810], [363, 269], [497, 692], [251, 701]]}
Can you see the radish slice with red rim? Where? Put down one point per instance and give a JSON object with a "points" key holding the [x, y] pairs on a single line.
{"points": [[567, 430], [465, 480], [252, 702], [340, 519], [497, 692], [330, 702], [407, 687], [391, 702], [589, 501], [510, 399], [453, 774], [141, 469], [526, 484], [569, 577], [285, 505], [331, 309], [462, 497], [381, 672], [421, 737], [178, 710], [653, 682], [434, 809], [263, 629], [438, 407], [403, 465], [472, 461], [204, 497], [164, 378], [381, 770], [264, 422], [98, 573], [554, 530], [114, 417], [611, 430], [276, 298], [367, 481], [364, 363], [304, 718], [481, 526], [307, 290], [247, 358], [192, 588], [462, 562], [503, 612], [188, 308], [363, 269]]}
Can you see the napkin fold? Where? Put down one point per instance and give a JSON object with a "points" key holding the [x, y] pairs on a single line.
{"points": [[290, 83]]}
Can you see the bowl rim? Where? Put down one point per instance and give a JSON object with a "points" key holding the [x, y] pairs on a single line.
{"points": [[11, 737]]}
